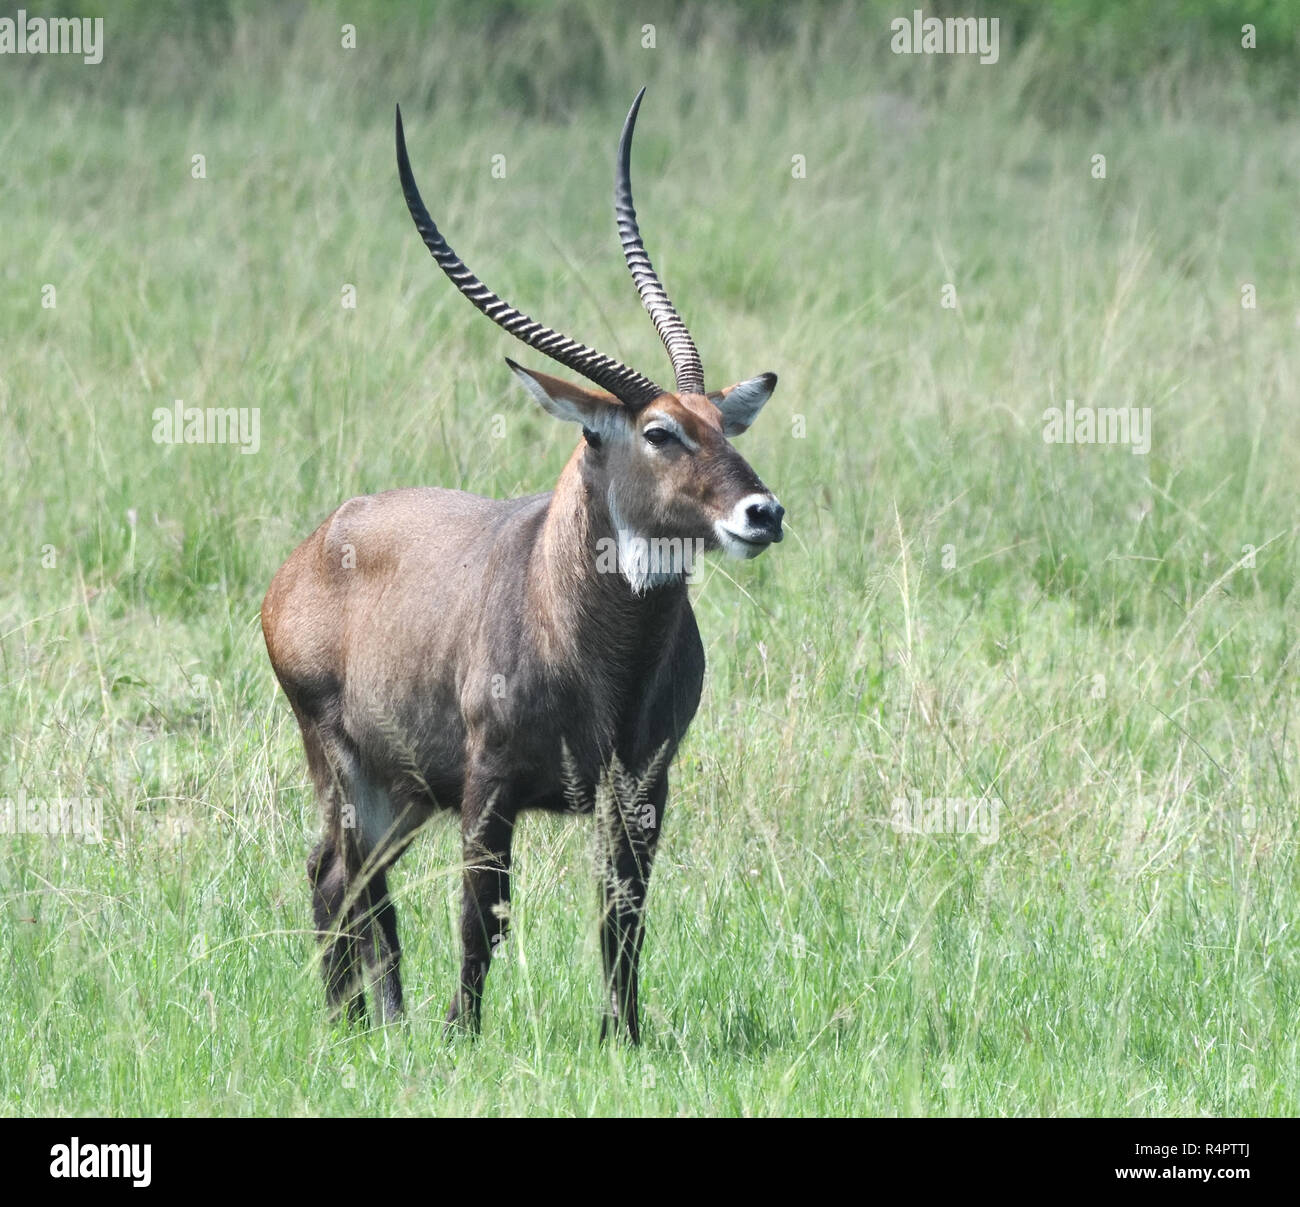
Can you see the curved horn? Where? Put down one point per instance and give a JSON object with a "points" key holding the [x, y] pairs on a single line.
{"points": [[625, 384], [681, 348]]}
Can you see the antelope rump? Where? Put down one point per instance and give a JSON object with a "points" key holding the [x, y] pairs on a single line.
{"points": [[446, 651]]}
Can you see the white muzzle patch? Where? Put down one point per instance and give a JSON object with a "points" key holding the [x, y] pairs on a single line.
{"points": [[740, 535]]}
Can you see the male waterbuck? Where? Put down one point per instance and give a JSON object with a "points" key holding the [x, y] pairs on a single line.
{"points": [[442, 650]]}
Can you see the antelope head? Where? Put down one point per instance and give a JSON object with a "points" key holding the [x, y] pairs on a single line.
{"points": [[661, 460]]}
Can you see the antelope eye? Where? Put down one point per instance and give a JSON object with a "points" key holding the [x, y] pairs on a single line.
{"points": [[658, 436]]}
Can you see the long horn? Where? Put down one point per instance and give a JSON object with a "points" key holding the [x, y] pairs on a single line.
{"points": [[625, 384], [681, 348]]}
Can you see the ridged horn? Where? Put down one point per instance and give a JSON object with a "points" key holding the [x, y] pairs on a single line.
{"points": [[677, 339], [625, 384]]}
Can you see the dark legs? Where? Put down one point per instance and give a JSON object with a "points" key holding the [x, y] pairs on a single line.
{"points": [[487, 825], [380, 948], [327, 874], [628, 820], [356, 926], [356, 923]]}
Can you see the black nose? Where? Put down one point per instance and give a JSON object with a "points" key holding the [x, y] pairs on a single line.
{"points": [[766, 515]]}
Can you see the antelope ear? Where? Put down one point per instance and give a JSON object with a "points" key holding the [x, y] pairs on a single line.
{"points": [[594, 409], [741, 403]]}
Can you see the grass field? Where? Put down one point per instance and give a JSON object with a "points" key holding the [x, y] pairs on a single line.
{"points": [[1104, 643]]}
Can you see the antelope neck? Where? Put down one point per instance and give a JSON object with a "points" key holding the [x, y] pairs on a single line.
{"points": [[579, 596]]}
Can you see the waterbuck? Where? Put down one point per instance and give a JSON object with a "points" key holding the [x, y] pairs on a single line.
{"points": [[446, 651]]}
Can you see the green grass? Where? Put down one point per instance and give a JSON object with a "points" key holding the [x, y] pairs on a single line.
{"points": [[1095, 652]]}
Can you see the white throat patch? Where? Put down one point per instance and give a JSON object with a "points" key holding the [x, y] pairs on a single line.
{"points": [[642, 561]]}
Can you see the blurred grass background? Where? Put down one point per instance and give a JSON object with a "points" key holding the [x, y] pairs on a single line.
{"points": [[1096, 649]]}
